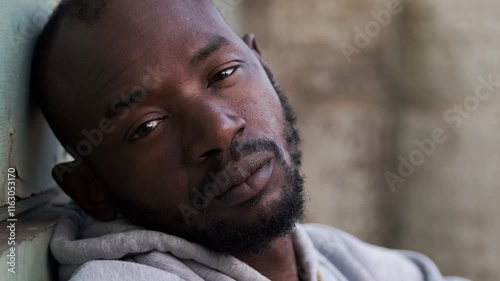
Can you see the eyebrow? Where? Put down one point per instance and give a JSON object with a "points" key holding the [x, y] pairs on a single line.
{"points": [[128, 102], [215, 43]]}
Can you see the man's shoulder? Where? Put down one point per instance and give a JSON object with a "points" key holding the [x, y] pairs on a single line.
{"points": [[114, 270], [323, 231], [328, 237], [348, 253]]}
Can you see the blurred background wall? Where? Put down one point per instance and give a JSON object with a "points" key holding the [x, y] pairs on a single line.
{"points": [[398, 107]]}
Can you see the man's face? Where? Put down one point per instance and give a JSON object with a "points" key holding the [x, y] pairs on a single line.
{"points": [[199, 145]]}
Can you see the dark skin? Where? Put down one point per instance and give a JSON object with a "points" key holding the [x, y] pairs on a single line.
{"points": [[196, 105]]}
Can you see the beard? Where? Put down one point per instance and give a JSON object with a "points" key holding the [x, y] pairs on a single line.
{"points": [[269, 221], [232, 236]]}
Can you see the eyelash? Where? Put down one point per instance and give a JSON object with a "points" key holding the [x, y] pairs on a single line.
{"points": [[158, 122], [233, 68]]}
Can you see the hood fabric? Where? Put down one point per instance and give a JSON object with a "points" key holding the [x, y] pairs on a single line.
{"points": [[88, 250]]}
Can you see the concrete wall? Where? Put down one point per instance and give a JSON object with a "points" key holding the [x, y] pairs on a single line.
{"points": [[363, 109], [451, 206], [26, 142]]}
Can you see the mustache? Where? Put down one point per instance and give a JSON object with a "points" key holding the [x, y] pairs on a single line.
{"points": [[222, 164]]}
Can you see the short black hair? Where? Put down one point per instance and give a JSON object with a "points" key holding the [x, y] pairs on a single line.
{"points": [[85, 11]]}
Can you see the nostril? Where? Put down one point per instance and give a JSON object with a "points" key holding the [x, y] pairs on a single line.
{"points": [[240, 131], [207, 154]]}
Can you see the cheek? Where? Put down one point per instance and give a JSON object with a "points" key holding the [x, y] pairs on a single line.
{"points": [[165, 180], [151, 175], [267, 113], [263, 104]]}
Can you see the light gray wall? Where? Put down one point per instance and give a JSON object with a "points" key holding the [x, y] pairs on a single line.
{"points": [[26, 142]]}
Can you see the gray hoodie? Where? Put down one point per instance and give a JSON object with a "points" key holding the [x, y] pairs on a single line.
{"points": [[88, 250]]}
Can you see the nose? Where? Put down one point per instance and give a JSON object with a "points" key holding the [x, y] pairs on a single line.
{"points": [[211, 129]]}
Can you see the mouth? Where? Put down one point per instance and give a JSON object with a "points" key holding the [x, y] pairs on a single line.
{"points": [[246, 180]]}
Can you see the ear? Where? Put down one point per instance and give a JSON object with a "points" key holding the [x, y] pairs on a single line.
{"points": [[249, 39], [251, 42], [86, 188]]}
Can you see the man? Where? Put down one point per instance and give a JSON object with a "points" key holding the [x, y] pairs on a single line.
{"points": [[186, 154]]}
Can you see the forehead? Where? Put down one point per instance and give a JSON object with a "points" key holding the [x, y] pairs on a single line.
{"points": [[131, 36]]}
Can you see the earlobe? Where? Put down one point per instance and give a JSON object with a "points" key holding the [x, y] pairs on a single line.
{"points": [[86, 188]]}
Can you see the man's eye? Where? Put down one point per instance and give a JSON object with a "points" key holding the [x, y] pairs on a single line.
{"points": [[225, 73], [146, 128]]}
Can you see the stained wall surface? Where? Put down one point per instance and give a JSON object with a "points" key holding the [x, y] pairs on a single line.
{"points": [[26, 142], [401, 127]]}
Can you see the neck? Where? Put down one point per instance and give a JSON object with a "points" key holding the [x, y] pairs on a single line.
{"points": [[277, 262]]}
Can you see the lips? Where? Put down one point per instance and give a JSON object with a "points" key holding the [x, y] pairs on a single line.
{"points": [[243, 180]]}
